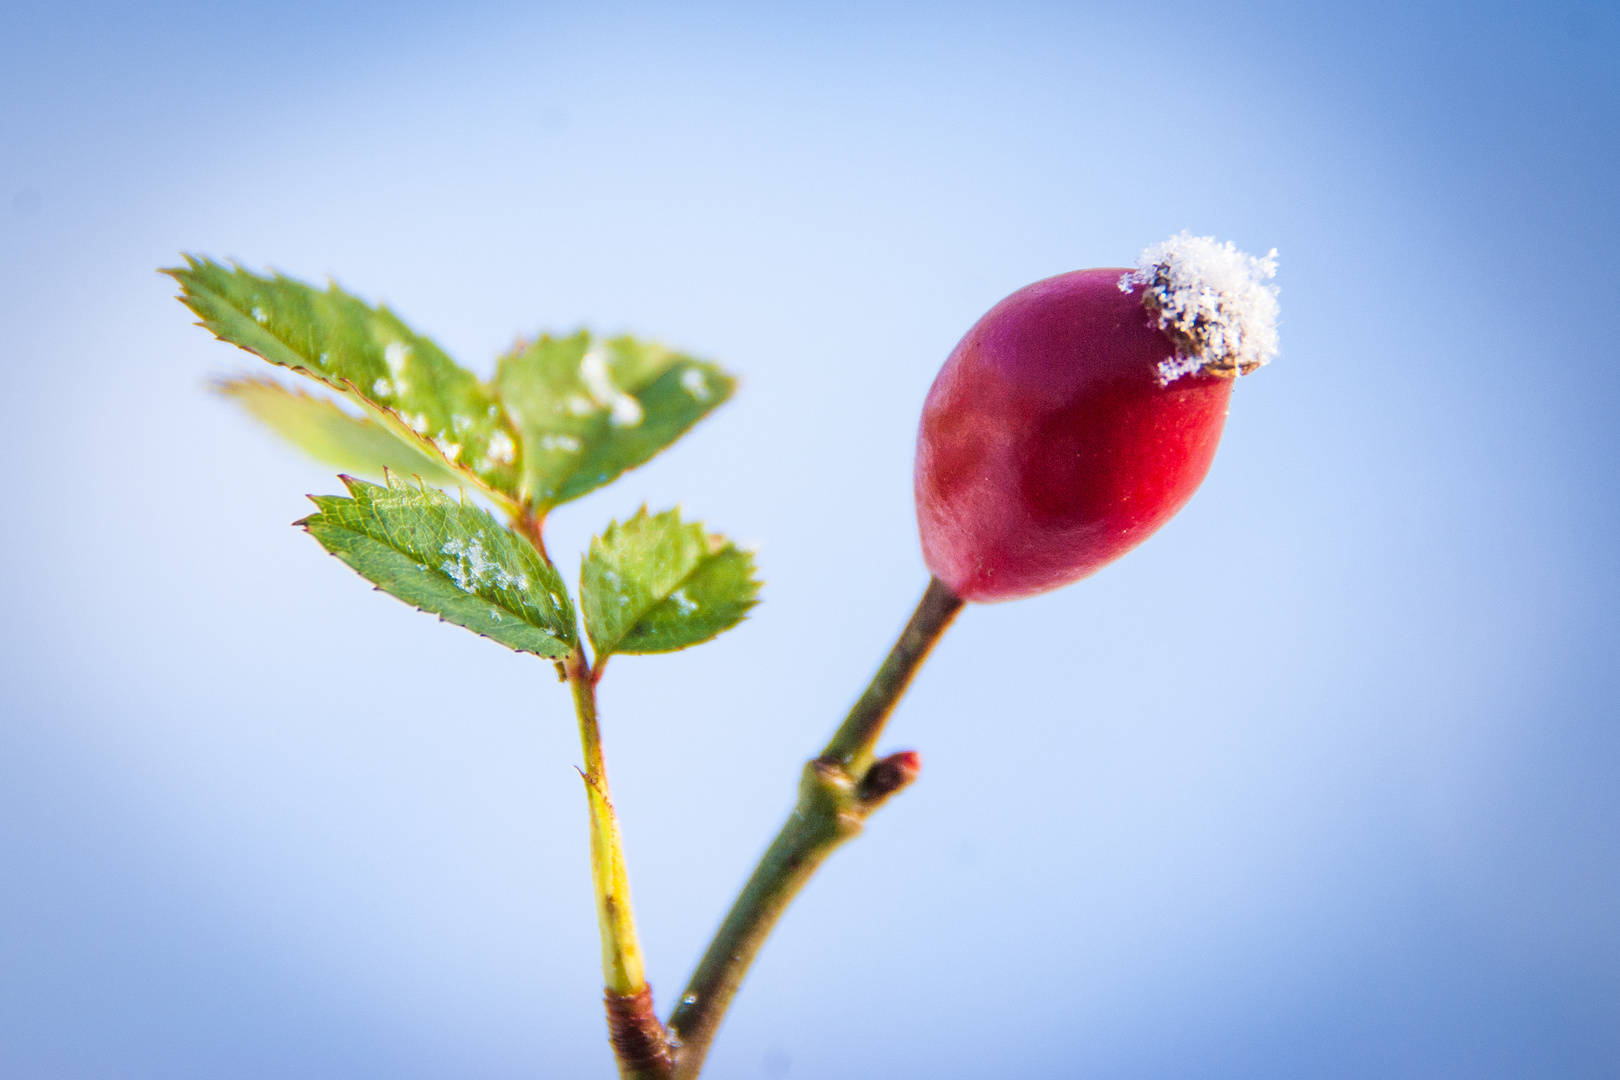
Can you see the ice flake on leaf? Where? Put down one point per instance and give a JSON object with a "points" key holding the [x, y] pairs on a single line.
{"points": [[501, 449], [627, 412], [467, 563], [624, 410], [1213, 300], [693, 382], [470, 567], [565, 443]]}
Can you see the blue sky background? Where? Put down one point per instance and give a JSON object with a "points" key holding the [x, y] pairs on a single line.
{"points": [[1319, 782]]}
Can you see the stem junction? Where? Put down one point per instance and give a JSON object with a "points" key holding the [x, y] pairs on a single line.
{"points": [[838, 791]]}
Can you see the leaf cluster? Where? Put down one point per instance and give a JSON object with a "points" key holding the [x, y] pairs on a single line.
{"points": [[562, 417]]}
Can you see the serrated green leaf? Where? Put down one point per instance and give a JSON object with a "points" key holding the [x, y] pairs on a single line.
{"points": [[328, 434], [655, 584], [403, 380], [589, 409], [450, 558]]}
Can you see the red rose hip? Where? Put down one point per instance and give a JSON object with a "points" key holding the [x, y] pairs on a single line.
{"points": [[1080, 413]]}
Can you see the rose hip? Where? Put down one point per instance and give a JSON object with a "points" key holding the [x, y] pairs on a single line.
{"points": [[1081, 412]]}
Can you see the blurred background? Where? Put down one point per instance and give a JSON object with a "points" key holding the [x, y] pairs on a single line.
{"points": [[1321, 782]]}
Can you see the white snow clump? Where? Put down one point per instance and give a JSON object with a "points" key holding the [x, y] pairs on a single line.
{"points": [[1213, 300]]}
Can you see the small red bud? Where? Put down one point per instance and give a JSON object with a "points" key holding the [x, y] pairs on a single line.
{"points": [[888, 775], [1080, 413]]}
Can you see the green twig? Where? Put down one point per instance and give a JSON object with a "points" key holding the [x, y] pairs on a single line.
{"points": [[622, 970], [640, 1045], [837, 792], [639, 1042]]}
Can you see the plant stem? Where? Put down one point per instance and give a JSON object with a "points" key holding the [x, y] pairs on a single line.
{"points": [[532, 526], [639, 1043], [837, 792], [622, 970], [852, 744]]}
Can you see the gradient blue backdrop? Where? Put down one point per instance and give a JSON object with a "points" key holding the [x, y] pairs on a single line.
{"points": [[1321, 782]]}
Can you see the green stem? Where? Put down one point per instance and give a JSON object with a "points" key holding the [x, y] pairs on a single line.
{"points": [[639, 1042], [852, 744], [622, 969], [837, 792]]}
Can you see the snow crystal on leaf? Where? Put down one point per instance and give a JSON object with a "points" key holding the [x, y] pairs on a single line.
{"points": [[471, 568]]}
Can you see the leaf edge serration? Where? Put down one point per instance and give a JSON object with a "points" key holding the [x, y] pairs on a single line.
{"points": [[556, 637], [598, 567], [234, 326]]}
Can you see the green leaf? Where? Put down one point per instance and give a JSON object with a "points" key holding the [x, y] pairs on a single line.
{"points": [[328, 434], [654, 584], [449, 558], [589, 409], [403, 380]]}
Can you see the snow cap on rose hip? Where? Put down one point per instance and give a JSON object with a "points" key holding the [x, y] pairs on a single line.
{"points": [[1212, 300], [1081, 412]]}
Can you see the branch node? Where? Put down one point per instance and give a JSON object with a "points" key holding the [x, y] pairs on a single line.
{"points": [[639, 1040]]}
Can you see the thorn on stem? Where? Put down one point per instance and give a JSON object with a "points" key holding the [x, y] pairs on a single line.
{"points": [[591, 781]]}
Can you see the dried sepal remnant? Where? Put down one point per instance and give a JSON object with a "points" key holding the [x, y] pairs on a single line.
{"points": [[450, 558], [1213, 301]]}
